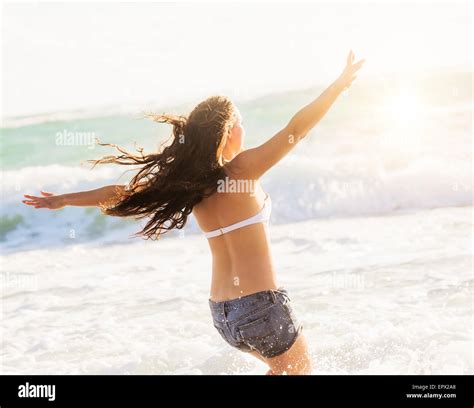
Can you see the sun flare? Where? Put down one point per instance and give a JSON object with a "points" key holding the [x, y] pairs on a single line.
{"points": [[405, 122], [405, 107]]}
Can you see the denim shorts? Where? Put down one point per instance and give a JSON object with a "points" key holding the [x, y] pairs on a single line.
{"points": [[263, 322]]}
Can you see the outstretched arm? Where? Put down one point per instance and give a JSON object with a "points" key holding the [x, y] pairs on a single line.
{"points": [[253, 163], [90, 198], [305, 119]]}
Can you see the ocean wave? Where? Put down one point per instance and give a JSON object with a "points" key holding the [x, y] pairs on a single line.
{"points": [[68, 116], [300, 188], [365, 158]]}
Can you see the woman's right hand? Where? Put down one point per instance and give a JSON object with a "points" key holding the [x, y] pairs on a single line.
{"points": [[49, 200], [348, 75]]}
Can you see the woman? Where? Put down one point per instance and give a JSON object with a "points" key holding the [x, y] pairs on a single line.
{"points": [[198, 173]]}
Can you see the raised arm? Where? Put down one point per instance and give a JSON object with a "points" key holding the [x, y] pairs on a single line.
{"points": [[310, 115], [91, 198], [256, 161]]}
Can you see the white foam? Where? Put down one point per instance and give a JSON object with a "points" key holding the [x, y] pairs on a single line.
{"points": [[377, 295]]}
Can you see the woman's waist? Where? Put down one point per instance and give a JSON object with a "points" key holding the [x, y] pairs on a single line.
{"points": [[240, 281]]}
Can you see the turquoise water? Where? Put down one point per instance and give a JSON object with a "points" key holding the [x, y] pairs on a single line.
{"points": [[369, 155]]}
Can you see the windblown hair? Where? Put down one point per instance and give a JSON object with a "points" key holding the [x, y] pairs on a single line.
{"points": [[170, 183]]}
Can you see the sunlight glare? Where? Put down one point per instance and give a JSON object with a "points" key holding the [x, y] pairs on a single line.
{"points": [[405, 107]]}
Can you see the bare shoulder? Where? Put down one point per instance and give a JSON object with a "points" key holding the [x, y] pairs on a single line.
{"points": [[239, 167], [253, 163]]}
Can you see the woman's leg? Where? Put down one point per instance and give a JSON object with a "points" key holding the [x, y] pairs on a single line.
{"points": [[255, 354], [295, 361]]}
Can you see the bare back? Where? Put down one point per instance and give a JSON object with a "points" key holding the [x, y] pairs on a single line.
{"points": [[241, 259]]}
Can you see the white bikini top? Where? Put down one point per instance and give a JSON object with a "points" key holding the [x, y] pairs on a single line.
{"points": [[262, 216]]}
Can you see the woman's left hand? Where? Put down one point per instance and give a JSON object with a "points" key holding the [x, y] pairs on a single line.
{"points": [[348, 75], [49, 200]]}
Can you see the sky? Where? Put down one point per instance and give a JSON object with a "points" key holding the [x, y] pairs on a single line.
{"points": [[60, 57]]}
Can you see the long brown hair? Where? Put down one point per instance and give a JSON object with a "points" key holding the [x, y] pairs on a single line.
{"points": [[170, 183]]}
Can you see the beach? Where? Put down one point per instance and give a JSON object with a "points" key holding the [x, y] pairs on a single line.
{"points": [[385, 294], [371, 233]]}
